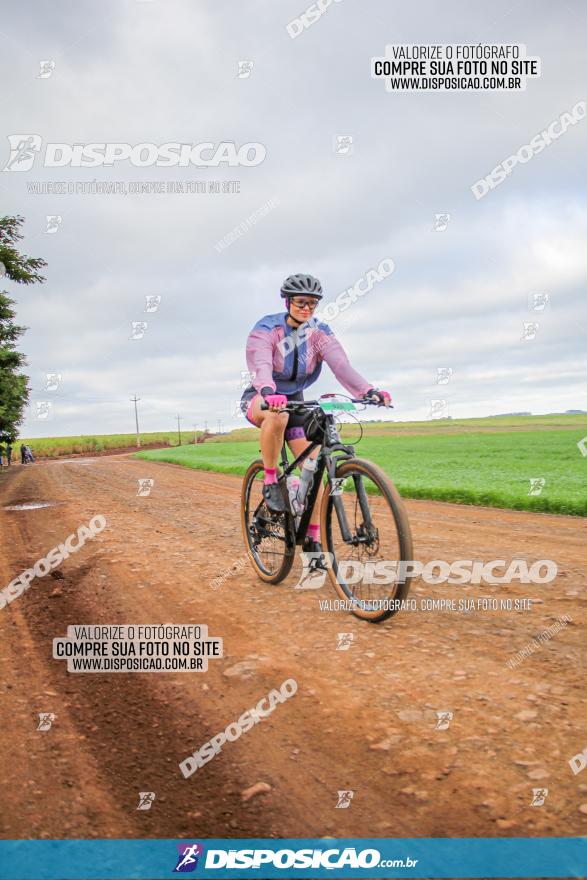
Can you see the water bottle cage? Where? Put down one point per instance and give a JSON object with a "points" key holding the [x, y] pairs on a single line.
{"points": [[300, 500], [306, 482]]}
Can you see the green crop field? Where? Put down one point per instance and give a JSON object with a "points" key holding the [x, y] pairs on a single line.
{"points": [[49, 447], [446, 426], [471, 461]]}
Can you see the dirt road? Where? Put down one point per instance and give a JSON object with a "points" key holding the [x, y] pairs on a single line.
{"points": [[363, 719]]}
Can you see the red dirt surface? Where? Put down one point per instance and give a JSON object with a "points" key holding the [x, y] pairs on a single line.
{"points": [[362, 719]]}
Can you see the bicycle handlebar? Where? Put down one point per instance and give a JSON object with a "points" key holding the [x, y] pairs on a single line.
{"points": [[306, 404]]}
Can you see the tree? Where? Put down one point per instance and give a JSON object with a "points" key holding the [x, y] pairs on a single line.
{"points": [[14, 389]]}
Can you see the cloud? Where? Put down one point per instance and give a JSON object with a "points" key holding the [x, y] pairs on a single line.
{"points": [[159, 72]]}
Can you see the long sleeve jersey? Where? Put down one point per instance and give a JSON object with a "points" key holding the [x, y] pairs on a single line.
{"points": [[287, 360]]}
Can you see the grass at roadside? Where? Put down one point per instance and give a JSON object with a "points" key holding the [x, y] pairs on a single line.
{"points": [[488, 424], [492, 468]]}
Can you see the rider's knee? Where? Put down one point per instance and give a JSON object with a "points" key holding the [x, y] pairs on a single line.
{"points": [[276, 420]]}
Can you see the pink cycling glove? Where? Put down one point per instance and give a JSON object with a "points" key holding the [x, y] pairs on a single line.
{"points": [[383, 396], [276, 400]]}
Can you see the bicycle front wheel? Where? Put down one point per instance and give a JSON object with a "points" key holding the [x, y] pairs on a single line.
{"points": [[367, 535]]}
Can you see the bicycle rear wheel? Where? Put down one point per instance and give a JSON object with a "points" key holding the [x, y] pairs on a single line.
{"points": [[269, 537], [379, 532]]}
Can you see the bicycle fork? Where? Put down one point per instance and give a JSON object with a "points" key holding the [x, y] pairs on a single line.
{"points": [[340, 511]]}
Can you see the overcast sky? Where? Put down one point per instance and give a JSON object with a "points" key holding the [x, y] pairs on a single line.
{"points": [[166, 71]]}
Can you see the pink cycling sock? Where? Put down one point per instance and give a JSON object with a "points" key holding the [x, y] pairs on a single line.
{"points": [[270, 476], [313, 532]]}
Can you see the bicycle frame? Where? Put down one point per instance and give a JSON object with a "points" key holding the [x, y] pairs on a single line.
{"points": [[326, 461], [348, 500]]}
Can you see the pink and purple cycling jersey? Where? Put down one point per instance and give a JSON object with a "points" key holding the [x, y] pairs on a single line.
{"points": [[288, 360]]}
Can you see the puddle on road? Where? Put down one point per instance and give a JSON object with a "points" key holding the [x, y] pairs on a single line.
{"points": [[32, 505]]}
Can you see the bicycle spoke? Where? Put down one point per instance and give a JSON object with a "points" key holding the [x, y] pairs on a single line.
{"points": [[374, 540], [267, 530]]}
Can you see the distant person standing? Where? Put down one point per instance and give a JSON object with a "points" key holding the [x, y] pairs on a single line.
{"points": [[29, 454], [1, 455], [9, 453], [22, 453]]}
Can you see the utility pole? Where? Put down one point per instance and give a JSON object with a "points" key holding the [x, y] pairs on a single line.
{"points": [[178, 431], [205, 427], [134, 400], [219, 424]]}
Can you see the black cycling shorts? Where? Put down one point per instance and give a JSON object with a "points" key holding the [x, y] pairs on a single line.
{"points": [[295, 424]]}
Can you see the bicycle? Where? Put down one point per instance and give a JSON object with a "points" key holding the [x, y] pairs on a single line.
{"points": [[357, 493]]}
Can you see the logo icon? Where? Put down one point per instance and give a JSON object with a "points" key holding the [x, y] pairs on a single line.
{"points": [[152, 303], [187, 860], [337, 486], [530, 330], [46, 69], [344, 641], [46, 719], [137, 329], [312, 576], [343, 144], [537, 484], [245, 68], [444, 719], [441, 222], [145, 487], [23, 148], [344, 800], [53, 381], [538, 796], [537, 302], [582, 444], [578, 762], [443, 375], [247, 377], [44, 410], [438, 408], [53, 223], [146, 799]]}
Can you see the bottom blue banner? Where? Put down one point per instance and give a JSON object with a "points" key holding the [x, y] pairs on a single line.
{"points": [[313, 857]]}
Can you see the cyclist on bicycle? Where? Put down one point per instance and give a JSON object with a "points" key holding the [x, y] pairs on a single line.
{"points": [[283, 362]]}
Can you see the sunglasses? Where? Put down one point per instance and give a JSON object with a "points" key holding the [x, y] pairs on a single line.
{"points": [[304, 303]]}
